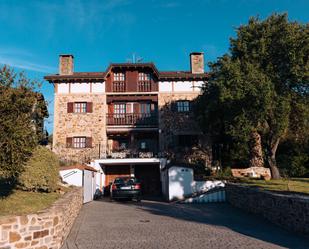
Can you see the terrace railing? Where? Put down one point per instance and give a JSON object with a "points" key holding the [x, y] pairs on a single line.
{"points": [[136, 119]]}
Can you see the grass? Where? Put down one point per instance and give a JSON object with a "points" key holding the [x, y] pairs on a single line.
{"points": [[22, 202], [294, 185]]}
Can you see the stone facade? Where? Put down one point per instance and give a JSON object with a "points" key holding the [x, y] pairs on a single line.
{"points": [[289, 211], [172, 123], [43, 230], [79, 124]]}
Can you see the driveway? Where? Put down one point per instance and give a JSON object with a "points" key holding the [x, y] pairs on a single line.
{"points": [[153, 224]]}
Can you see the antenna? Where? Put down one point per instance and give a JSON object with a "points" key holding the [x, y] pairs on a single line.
{"points": [[135, 59]]}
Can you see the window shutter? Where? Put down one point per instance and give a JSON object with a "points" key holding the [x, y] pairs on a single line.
{"points": [[89, 107], [70, 107], [136, 108], [88, 142], [190, 106], [69, 142], [111, 108]]}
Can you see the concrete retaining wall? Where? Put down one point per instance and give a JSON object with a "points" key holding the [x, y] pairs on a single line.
{"points": [[288, 211], [43, 230]]}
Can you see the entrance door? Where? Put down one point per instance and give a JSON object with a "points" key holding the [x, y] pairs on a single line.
{"points": [[149, 176]]}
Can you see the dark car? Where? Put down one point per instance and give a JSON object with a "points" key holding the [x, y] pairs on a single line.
{"points": [[125, 188]]}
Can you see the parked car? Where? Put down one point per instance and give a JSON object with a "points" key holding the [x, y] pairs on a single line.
{"points": [[125, 188]]}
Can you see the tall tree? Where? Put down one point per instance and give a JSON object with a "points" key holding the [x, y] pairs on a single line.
{"points": [[19, 104], [260, 87]]}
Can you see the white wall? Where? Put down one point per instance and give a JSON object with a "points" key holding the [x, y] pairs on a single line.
{"points": [[180, 180], [180, 86], [98, 87], [183, 86], [181, 183], [72, 176], [80, 88], [165, 86], [63, 87]]}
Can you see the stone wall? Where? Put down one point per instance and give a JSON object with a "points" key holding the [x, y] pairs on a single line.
{"points": [[43, 230], [79, 124], [288, 211], [172, 123], [256, 172]]}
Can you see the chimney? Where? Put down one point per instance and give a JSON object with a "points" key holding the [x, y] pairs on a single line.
{"points": [[197, 62], [66, 64]]}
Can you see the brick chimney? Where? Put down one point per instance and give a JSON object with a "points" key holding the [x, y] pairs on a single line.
{"points": [[197, 62], [66, 64]]}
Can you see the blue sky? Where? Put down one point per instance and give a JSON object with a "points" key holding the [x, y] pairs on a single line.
{"points": [[34, 33]]}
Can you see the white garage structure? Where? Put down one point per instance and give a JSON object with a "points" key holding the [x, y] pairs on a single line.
{"points": [[178, 184], [81, 176]]}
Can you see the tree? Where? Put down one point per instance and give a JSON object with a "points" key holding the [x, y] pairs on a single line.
{"points": [[256, 92], [18, 105]]}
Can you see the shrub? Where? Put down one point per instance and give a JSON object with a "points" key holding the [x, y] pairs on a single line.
{"points": [[41, 172]]}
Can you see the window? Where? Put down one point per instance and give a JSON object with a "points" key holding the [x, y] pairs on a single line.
{"points": [[143, 145], [79, 142], [119, 110], [183, 106], [118, 76], [80, 107], [143, 76], [145, 108]]}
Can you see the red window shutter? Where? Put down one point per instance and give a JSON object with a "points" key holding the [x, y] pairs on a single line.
{"points": [[88, 142], [110, 108], [115, 145], [128, 108], [70, 107], [69, 142], [89, 107]]}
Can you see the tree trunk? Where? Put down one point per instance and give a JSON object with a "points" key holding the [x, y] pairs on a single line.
{"points": [[271, 158], [256, 152], [275, 174]]}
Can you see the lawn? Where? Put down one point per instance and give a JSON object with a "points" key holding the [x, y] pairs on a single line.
{"points": [[298, 185], [22, 202]]}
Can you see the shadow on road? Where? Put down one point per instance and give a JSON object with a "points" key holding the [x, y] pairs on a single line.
{"points": [[224, 215]]}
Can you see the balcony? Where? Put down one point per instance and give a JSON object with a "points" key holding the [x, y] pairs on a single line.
{"points": [[119, 86], [144, 86], [133, 119]]}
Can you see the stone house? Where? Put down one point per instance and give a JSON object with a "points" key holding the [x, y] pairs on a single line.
{"points": [[130, 119]]}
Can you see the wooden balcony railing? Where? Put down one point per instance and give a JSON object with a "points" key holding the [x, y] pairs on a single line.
{"points": [[138, 119], [119, 86], [144, 86]]}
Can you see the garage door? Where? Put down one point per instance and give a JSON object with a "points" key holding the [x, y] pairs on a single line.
{"points": [[113, 171]]}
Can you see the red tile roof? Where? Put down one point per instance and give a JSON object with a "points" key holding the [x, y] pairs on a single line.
{"points": [[161, 75]]}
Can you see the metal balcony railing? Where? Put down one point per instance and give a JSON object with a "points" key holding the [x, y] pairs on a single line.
{"points": [[138, 119]]}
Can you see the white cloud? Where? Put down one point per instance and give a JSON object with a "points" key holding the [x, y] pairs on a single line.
{"points": [[22, 59]]}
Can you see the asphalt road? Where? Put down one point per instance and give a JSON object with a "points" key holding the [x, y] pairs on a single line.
{"points": [[153, 224]]}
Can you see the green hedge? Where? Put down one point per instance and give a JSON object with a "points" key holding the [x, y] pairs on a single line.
{"points": [[41, 172]]}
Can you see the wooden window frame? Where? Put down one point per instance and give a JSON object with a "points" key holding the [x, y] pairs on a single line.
{"points": [[80, 107], [79, 142], [183, 106], [119, 77]]}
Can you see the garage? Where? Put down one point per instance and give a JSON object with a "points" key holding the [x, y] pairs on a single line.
{"points": [[114, 171], [149, 176], [147, 170]]}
